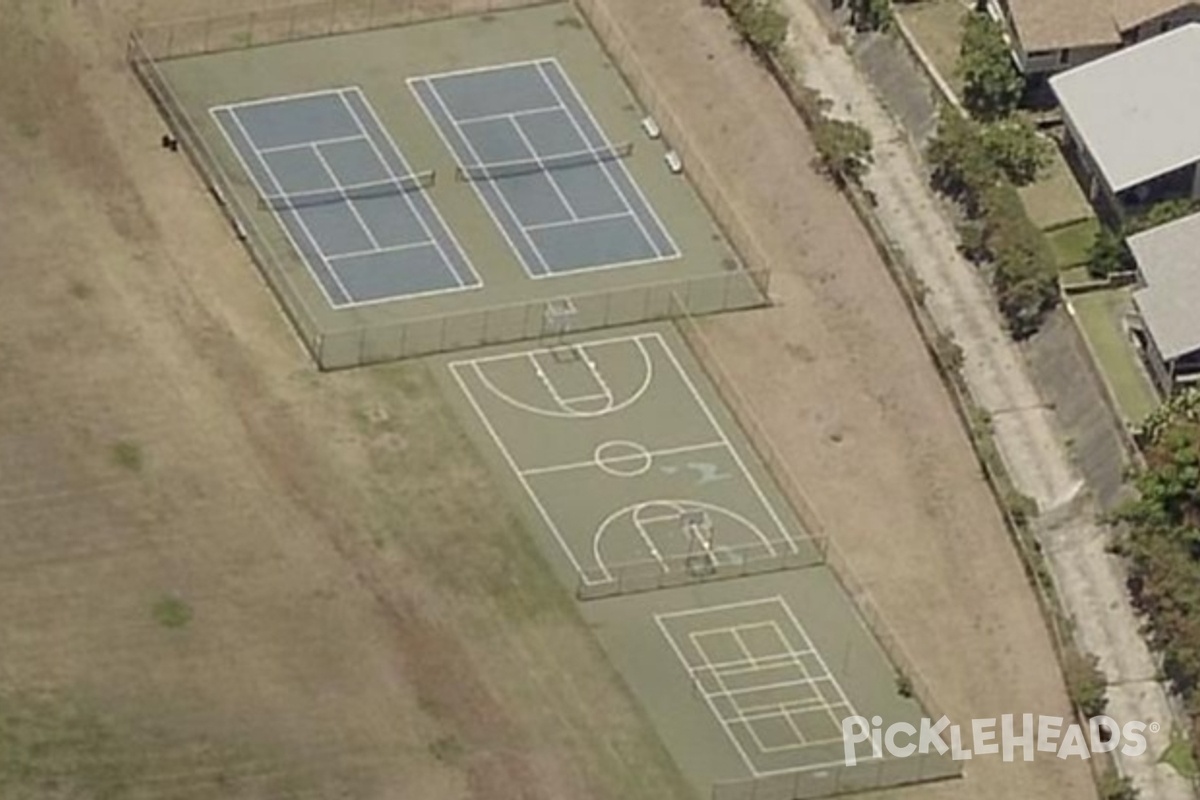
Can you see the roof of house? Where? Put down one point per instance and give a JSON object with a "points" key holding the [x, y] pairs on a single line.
{"points": [[1127, 13], [1057, 24], [1169, 259], [1138, 110]]}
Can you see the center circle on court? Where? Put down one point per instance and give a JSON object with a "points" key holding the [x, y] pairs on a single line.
{"points": [[623, 459]]}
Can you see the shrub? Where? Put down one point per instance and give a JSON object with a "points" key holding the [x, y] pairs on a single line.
{"points": [[1025, 277], [761, 24], [1108, 254], [1086, 683], [871, 15], [1161, 214], [843, 148]]}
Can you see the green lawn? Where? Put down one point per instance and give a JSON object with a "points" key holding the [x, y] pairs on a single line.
{"points": [[1056, 198], [937, 25], [1100, 317], [1075, 276], [1072, 243], [1179, 755]]}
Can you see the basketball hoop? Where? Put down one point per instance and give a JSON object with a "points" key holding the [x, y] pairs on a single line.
{"points": [[698, 527], [558, 320]]}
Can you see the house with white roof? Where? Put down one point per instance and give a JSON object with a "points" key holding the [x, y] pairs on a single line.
{"points": [[1133, 121], [1168, 304]]}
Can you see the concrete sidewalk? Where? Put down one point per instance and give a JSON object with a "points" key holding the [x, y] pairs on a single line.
{"points": [[1090, 582]]}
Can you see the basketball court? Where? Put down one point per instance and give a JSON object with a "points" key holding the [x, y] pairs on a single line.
{"points": [[630, 467]]}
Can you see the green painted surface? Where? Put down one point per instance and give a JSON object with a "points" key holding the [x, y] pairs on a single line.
{"points": [[1100, 316], [380, 62], [605, 440]]}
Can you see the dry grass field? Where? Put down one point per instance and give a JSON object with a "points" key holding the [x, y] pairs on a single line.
{"points": [[225, 576]]}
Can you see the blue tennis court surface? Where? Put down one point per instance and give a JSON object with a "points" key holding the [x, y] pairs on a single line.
{"points": [[552, 180], [346, 197]]}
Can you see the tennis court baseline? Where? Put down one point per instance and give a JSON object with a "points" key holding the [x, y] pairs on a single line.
{"points": [[346, 197], [550, 177]]}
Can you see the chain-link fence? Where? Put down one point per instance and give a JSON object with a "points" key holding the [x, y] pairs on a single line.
{"points": [[638, 76], [841, 779], [705, 294], [670, 571], [238, 30], [867, 775], [268, 261], [348, 343]]}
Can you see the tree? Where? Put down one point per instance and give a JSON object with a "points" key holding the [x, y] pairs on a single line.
{"points": [[1161, 542], [1025, 276], [843, 148], [992, 84], [1016, 148], [962, 168], [1108, 254], [871, 15]]}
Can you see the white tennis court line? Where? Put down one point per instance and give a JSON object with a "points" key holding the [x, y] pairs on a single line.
{"points": [[515, 468], [457, 123], [387, 136], [652, 454], [412, 82], [278, 214], [563, 403], [566, 223], [507, 114], [389, 249], [523, 477], [326, 259], [547, 518], [737, 457], [537, 157], [676, 252], [273, 99], [412, 207], [605, 166], [605, 142], [734, 666], [332, 176], [281, 148], [508, 65], [783, 710]]}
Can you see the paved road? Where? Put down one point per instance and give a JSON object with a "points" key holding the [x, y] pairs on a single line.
{"points": [[1090, 582]]}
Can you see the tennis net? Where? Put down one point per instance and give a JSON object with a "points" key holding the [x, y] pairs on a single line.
{"points": [[509, 169], [341, 194]]}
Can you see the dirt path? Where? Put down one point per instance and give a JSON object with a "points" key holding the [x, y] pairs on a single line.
{"points": [[1090, 582]]}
